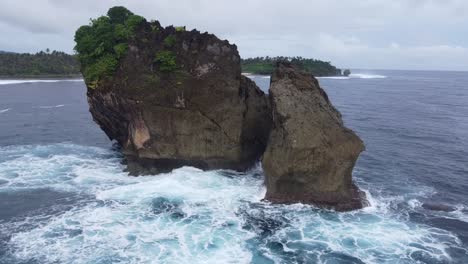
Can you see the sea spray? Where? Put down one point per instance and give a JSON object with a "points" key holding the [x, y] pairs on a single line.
{"points": [[190, 215]]}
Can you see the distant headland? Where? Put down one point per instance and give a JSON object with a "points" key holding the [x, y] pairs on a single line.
{"points": [[43, 64], [266, 65]]}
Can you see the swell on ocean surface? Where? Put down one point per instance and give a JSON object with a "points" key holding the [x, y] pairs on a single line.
{"points": [[101, 215], [18, 81], [73, 202], [355, 76], [351, 76], [51, 106]]}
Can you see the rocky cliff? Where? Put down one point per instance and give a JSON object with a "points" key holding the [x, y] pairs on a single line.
{"points": [[178, 98], [173, 98], [310, 154]]}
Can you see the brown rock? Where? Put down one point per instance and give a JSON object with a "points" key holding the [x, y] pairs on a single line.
{"points": [[438, 207], [204, 113], [310, 154]]}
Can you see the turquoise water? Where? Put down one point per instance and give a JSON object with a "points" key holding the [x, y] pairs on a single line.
{"points": [[64, 197]]}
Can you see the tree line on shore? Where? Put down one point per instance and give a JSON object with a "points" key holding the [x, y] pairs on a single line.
{"points": [[265, 65], [43, 63], [57, 63]]}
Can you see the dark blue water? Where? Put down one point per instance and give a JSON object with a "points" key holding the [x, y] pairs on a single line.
{"points": [[64, 197]]}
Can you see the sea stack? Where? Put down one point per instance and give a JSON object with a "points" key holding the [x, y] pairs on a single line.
{"points": [[171, 98], [310, 154], [177, 98]]}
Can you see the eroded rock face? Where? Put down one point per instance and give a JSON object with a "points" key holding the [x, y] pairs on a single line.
{"points": [[310, 154], [201, 113]]}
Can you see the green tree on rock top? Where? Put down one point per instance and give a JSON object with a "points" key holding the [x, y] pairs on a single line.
{"points": [[101, 44]]}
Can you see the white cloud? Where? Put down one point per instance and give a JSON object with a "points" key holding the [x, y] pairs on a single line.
{"points": [[391, 56], [419, 34]]}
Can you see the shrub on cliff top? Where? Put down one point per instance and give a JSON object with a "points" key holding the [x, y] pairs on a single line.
{"points": [[103, 42], [180, 29]]}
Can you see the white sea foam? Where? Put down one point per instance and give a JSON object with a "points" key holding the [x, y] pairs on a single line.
{"points": [[5, 110], [334, 77], [366, 76], [461, 213], [5, 82], [51, 106], [253, 76], [354, 76], [351, 76], [192, 216], [414, 203]]}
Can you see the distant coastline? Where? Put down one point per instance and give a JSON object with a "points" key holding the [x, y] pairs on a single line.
{"points": [[266, 65], [56, 64], [41, 76], [44, 64]]}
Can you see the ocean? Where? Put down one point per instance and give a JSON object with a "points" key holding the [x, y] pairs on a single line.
{"points": [[65, 198]]}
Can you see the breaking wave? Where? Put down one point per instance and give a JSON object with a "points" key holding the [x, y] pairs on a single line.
{"points": [[192, 216], [354, 76], [366, 76], [5, 82], [52, 106], [351, 76], [5, 110], [334, 77]]}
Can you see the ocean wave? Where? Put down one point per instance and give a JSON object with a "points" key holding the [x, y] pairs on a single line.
{"points": [[334, 77], [57, 166], [6, 82], [253, 76], [351, 76], [5, 110], [354, 76], [52, 106], [460, 213], [366, 76], [194, 216]]}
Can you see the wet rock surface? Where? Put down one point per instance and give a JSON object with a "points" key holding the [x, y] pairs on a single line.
{"points": [[201, 112], [438, 207], [178, 99], [310, 154]]}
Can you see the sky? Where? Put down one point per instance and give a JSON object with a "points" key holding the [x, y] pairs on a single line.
{"points": [[364, 34]]}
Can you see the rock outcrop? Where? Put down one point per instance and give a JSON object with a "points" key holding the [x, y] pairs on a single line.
{"points": [[178, 99], [433, 206], [174, 98], [310, 154]]}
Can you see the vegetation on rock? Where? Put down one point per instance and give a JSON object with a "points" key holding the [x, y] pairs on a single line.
{"points": [[101, 44], [180, 29], [43, 63], [265, 65], [169, 41], [166, 61]]}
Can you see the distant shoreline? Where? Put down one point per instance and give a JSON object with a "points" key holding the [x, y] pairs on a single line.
{"points": [[41, 76]]}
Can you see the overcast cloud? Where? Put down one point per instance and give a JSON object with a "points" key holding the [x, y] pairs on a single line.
{"points": [[378, 34]]}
